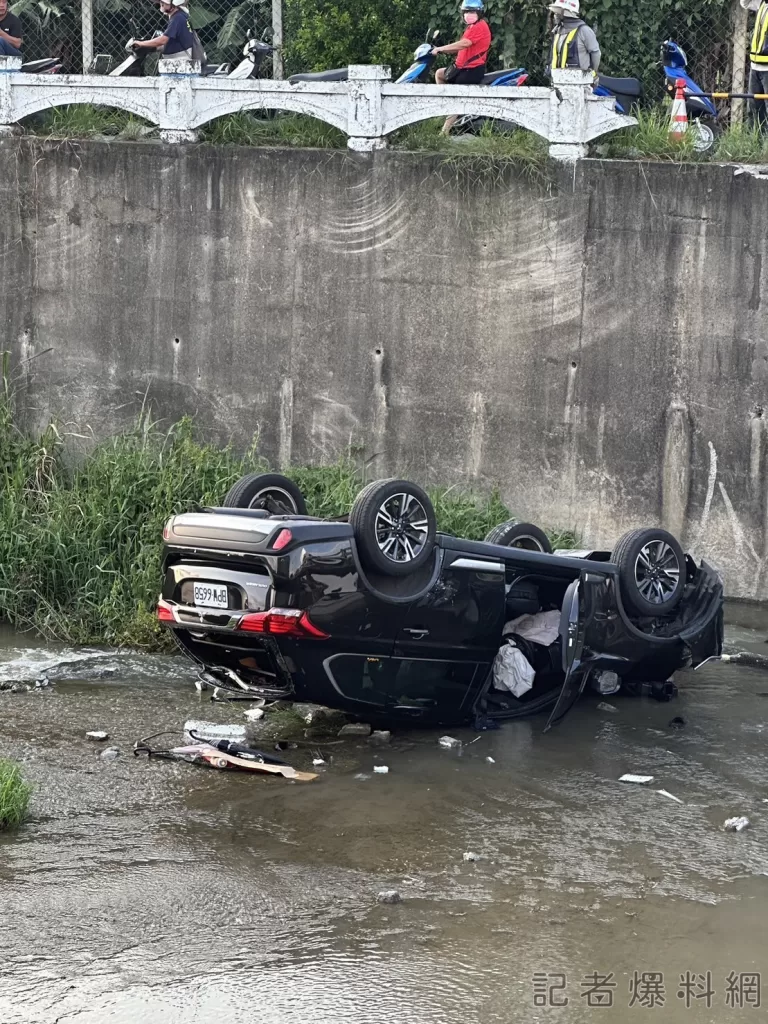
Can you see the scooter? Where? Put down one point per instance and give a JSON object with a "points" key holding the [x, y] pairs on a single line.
{"points": [[254, 52], [423, 59], [46, 66], [702, 112], [471, 124]]}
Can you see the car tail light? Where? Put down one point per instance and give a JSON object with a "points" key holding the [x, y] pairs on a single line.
{"points": [[283, 538], [167, 530], [282, 622], [164, 612], [522, 79]]}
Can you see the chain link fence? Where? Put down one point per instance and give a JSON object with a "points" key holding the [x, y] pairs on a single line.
{"points": [[82, 32], [714, 33]]}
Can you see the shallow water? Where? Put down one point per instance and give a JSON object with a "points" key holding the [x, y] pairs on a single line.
{"points": [[160, 892]]}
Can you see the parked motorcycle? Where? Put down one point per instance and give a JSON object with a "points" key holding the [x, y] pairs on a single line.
{"points": [[45, 66], [423, 59], [254, 52], [702, 112]]}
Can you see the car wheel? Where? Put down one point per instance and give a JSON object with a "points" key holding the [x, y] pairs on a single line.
{"points": [[652, 571], [514, 534], [394, 525], [271, 491]]}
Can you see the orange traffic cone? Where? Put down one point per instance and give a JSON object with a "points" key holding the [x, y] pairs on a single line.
{"points": [[679, 122]]}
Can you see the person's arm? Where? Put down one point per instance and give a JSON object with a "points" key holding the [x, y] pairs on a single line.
{"points": [[152, 44], [460, 44], [591, 45]]}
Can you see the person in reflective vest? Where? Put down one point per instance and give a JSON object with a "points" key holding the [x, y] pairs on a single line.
{"points": [[574, 44], [758, 62]]}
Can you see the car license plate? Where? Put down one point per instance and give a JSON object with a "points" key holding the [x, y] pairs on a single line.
{"points": [[209, 596]]}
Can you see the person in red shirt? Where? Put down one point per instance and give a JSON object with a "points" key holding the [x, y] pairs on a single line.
{"points": [[471, 52]]}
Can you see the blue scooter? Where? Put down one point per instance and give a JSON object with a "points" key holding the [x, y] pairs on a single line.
{"points": [[423, 59], [702, 112]]}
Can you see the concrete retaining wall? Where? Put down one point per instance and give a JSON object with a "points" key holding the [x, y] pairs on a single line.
{"points": [[596, 344]]}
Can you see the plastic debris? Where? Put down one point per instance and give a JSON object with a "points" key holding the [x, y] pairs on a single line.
{"points": [[671, 797], [97, 735], [490, 760], [736, 824], [471, 856], [355, 729], [641, 780], [380, 769], [449, 742], [362, 776], [389, 896], [317, 762], [604, 706], [254, 714], [212, 732], [110, 754]]}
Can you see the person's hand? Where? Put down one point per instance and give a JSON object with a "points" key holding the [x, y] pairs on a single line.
{"points": [[436, 50]]}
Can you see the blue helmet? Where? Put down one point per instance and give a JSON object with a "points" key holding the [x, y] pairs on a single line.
{"points": [[473, 5]]}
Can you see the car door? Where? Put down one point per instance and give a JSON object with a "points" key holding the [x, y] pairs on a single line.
{"points": [[450, 636], [575, 618]]}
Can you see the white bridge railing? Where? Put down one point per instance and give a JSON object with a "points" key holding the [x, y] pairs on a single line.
{"points": [[366, 108]]}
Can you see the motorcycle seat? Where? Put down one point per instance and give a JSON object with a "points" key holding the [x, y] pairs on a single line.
{"points": [[626, 86], [493, 75], [334, 75]]}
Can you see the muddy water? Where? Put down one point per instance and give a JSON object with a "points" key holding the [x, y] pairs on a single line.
{"points": [[159, 892]]}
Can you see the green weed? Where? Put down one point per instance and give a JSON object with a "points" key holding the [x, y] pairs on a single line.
{"points": [[14, 795]]}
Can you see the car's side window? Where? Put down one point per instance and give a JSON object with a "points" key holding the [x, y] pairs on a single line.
{"points": [[401, 681]]}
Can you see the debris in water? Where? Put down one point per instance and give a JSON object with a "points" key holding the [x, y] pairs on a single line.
{"points": [[97, 735], [678, 722], [471, 856], [355, 729], [254, 714], [449, 742], [362, 776], [605, 706], [736, 824], [222, 754], [671, 797], [380, 769], [212, 732], [389, 896], [380, 737], [641, 780], [490, 760], [110, 754], [317, 762]]}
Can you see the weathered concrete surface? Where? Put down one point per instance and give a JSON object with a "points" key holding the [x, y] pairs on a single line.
{"points": [[597, 345]]}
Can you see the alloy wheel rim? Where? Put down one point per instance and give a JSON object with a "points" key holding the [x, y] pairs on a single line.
{"points": [[277, 494], [528, 543], [401, 527], [657, 572]]}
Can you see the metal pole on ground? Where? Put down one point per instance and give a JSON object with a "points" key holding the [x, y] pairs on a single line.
{"points": [[277, 38], [86, 20]]}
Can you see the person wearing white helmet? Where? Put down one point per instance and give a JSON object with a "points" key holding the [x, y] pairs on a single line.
{"points": [[574, 44], [177, 40]]}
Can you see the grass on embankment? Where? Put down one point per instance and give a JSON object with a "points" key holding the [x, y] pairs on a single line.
{"points": [[80, 547], [14, 795]]}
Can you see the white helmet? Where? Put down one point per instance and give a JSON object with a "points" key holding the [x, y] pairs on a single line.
{"points": [[566, 6]]}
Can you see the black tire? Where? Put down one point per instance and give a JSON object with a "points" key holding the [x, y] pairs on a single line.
{"points": [[271, 491], [406, 543], [706, 132], [652, 571], [514, 534]]}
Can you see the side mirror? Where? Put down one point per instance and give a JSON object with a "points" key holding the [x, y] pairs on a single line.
{"points": [[435, 34]]}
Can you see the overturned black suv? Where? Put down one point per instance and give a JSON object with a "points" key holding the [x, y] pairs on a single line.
{"points": [[381, 616]]}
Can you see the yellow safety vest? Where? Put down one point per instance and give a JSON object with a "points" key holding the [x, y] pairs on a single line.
{"points": [[561, 46], [758, 52]]}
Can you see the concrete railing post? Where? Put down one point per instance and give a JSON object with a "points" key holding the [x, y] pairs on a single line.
{"points": [[568, 134], [177, 100], [366, 126], [8, 67]]}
